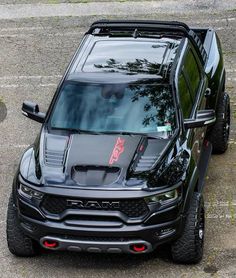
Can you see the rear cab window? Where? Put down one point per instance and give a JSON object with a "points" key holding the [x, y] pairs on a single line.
{"points": [[193, 73]]}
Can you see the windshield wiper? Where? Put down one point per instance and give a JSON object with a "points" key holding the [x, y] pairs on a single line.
{"points": [[76, 130], [83, 131], [132, 133], [89, 132]]}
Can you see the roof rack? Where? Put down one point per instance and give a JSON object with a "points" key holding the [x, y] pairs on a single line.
{"points": [[103, 27]]}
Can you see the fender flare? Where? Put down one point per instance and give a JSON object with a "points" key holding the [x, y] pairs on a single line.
{"points": [[192, 187]]}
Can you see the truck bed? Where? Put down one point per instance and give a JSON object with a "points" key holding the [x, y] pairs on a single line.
{"points": [[206, 36]]}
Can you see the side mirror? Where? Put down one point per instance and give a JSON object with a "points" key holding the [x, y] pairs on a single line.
{"points": [[31, 110], [203, 118]]}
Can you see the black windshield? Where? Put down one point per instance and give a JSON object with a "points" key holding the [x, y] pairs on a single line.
{"points": [[132, 108]]}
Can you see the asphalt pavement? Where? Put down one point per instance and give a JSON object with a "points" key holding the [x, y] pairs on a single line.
{"points": [[37, 41]]}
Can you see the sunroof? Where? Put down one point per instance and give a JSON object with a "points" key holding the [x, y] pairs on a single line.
{"points": [[126, 56]]}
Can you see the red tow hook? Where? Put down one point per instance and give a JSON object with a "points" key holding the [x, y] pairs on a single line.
{"points": [[138, 247], [50, 244]]}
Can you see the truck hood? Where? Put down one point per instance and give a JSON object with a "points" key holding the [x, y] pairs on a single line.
{"points": [[94, 161]]}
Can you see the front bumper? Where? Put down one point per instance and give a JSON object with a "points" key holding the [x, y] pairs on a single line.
{"points": [[101, 239], [98, 230], [98, 246], [111, 240]]}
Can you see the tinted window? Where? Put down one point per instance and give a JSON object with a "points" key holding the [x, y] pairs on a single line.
{"points": [[185, 97], [115, 108], [192, 71], [126, 56]]}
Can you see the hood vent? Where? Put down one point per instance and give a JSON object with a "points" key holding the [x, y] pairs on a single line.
{"points": [[145, 163], [54, 158], [54, 151]]}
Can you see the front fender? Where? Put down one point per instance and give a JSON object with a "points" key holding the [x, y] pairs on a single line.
{"points": [[192, 187], [27, 167]]}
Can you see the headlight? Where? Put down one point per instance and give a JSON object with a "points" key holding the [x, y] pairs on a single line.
{"points": [[164, 198], [29, 192]]}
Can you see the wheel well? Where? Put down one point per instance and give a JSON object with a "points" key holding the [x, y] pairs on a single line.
{"points": [[221, 90], [189, 195], [196, 188]]}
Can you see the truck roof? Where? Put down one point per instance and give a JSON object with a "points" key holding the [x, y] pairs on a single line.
{"points": [[137, 27], [133, 47], [130, 56]]}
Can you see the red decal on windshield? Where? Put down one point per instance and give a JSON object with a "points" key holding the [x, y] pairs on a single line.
{"points": [[117, 151]]}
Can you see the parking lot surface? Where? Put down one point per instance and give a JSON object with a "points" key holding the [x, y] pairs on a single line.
{"points": [[35, 48]]}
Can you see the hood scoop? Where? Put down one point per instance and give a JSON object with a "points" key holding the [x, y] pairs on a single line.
{"points": [[95, 176]]}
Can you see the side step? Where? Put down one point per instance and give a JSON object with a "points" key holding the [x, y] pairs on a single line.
{"points": [[204, 162]]}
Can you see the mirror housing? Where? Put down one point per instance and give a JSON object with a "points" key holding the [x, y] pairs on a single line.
{"points": [[31, 110], [203, 118]]}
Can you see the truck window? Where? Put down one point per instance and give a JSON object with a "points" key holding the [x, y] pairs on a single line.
{"points": [[192, 71], [185, 97]]}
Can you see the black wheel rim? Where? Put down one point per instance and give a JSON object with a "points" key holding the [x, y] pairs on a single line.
{"points": [[201, 226]]}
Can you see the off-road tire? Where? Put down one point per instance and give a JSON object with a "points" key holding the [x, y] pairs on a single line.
{"points": [[18, 243], [188, 249], [219, 134]]}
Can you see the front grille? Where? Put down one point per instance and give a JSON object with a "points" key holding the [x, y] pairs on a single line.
{"points": [[131, 207]]}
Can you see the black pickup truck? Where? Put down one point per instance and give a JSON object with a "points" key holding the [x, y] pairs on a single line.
{"points": [[120, 162]]}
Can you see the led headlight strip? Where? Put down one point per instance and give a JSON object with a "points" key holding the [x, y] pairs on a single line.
{"points": [[29, 192], [163, 198]]}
